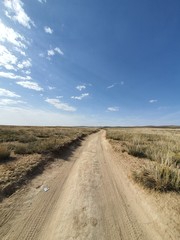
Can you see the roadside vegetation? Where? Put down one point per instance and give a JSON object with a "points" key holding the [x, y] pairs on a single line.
{"points": [[24, 151], [160, 149]]}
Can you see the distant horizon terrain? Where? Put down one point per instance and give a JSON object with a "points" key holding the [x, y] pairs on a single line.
{"points": [[91, 126]]}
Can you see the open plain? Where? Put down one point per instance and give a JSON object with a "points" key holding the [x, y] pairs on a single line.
{"points": [[89, 194]]}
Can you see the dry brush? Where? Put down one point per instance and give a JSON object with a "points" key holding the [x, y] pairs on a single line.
{"points": [[160, 149]]}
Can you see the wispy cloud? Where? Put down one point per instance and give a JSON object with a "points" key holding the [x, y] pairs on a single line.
{"points": [[30, 85], [58, 50], [13, 76], [60, 105], [7, 93], [48, 30], [25, 64], [26, 72], [51, 88], [113, 109], [111, 86], [7, 101], [15, 11], [7, 59], [59, 96], [81, 87], [19, 51], [42, 1], [114, 84], [52, 52], [41, 54], [83, 95], [153, 101], [10, 36]]}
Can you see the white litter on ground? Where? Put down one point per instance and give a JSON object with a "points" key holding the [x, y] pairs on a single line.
{"points": [[46, 189]]}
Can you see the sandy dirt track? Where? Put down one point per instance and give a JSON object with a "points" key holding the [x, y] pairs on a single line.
{"points": [[89, 197]]}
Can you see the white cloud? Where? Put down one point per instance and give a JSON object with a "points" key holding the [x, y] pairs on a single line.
{"points": [[58, 50], [7, 59], [27, 72], [113, 109], [30, 85], [80, 87], [152, 101], [48, 30], [59, 96], [111, 86], [83, 95], [7, 101], [42, 1], [41, 55], [20, 51], [51, 88], [60, 105], [114, 84], [13, 76], [25, 64], [7, 93], [16, 12], [9, 35], [51, 52]]}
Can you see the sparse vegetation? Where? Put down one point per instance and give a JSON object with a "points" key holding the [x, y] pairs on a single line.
{"points": [[31, 148], [160, 149]]}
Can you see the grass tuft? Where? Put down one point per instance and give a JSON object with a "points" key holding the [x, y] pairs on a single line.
{"points": [[159, 177]]}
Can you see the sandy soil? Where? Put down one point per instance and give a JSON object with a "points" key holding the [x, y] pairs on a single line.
{"points": [[89, 197]]}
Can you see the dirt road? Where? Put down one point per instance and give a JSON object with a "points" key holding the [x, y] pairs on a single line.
{"points": [[89, 197]]}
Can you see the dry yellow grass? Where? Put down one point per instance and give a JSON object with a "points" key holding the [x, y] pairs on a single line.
{"points": [[24, 151], [160, 148]]}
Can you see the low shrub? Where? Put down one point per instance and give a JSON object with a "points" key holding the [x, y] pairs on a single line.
{"points": [[137, 150], [27, 138], [21, 149], [4, 153], [145, 177]]}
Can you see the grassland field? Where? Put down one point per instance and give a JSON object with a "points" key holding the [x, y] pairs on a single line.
{"points": [[117, 178], [159, 151], [26, 150]]}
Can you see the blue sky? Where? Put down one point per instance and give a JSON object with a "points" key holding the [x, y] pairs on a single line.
{"points": [[92, 62]]}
